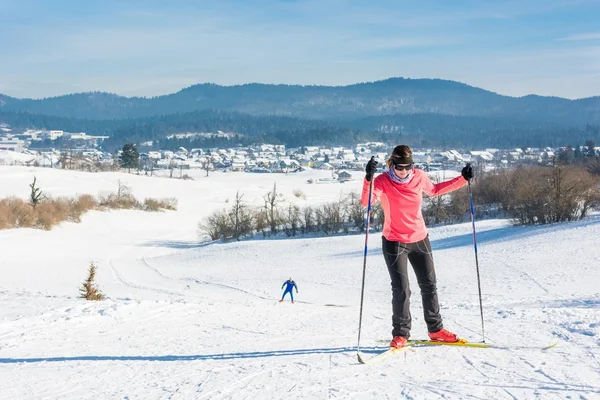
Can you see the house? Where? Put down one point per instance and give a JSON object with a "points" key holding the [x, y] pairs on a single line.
{"points": [[324, 166], [421, 157], [344, 176], [483, 156], [288, 164], [456, 155], [348, 155], [53, 135], [238, 164], [442, 157], [12, 144]]}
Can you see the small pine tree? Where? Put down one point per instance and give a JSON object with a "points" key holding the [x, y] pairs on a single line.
{"points": [[36, 195], [130, 158], [89, 290]]}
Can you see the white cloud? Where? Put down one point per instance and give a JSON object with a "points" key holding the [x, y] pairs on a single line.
{"points": [[581, 37]]}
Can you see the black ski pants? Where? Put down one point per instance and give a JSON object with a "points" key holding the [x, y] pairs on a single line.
{"points": [[419, 254]]}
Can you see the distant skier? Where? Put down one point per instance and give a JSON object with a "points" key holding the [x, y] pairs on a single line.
{"points": [[290, 285]]}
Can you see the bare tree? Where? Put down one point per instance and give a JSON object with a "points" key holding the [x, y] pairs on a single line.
{"points": [[319, 219], [292, 220], [574, 190], [593, 166], [207, 165], [63, 159], [458, 206], [495, 188], [377, 217], [552, 194], [215, 225], [272, 199], [435, 210], [333, 217], [240, 217], [123, 190], [355, 211], [307, 220], [260, 221], [530, 196]]}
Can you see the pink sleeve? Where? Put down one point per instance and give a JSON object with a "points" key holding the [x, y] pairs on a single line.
{"points": [[364, 198], [443, 187]]}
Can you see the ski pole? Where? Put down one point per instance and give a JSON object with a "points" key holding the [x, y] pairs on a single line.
{"points": [[362, 289], [472, 207]]}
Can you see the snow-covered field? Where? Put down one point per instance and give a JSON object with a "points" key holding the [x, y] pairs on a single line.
{"points": [[185, 320]]}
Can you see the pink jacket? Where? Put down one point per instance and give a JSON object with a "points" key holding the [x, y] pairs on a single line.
{"points": [[402, 203]]}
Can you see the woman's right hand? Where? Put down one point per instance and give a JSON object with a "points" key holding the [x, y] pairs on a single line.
{"points": [[371, 168]]}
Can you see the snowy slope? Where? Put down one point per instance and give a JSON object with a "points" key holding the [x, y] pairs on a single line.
{"points": [[8, 157], [192, 321]]}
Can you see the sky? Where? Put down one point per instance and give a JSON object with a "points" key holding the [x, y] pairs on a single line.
{"points": [[152, 47]]}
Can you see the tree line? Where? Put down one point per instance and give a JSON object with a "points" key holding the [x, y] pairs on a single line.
{"points": [[527, 195], [421, 130]]}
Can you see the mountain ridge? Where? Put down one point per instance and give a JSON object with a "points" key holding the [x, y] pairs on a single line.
{"points": [[364, 99]]}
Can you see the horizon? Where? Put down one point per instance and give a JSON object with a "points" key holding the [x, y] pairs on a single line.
{"points": [[145, 49], [289, 84]]}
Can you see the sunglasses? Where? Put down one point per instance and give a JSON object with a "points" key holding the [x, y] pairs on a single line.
{"points": [[399, 167]]}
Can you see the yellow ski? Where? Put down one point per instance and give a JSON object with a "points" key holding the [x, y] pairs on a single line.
{"points": [[464, 343], [460, 343]]}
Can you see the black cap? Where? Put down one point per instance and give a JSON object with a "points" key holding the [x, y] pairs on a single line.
{"points": [[397, 159]]}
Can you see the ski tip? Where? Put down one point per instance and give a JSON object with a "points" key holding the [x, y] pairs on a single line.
{"points": [[551, 345]]}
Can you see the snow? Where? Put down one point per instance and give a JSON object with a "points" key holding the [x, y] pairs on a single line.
{"points": [[8, 157], [190, 320]]}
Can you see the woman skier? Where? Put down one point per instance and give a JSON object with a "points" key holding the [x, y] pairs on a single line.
{"points": [[405, 238]]}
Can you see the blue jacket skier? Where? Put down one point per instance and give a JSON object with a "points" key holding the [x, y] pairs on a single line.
{"points": [[290, 285]]}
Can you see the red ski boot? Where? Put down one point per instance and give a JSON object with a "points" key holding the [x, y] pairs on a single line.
{"points": [[443, 335], [398, 342]]}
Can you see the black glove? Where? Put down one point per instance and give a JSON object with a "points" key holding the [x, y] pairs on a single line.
{"points": [[467, 172], [371, 168]]}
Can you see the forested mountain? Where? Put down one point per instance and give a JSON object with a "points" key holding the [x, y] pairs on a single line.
{"points": [[416, 129], [388, 97]]}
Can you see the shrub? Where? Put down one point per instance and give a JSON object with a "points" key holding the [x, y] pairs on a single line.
{"points": [[51, 212], [20, 213], [151, 204], [299, 194], [216, 225], [4, 215], [79, 206], [16, 213], [116, 201]]}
